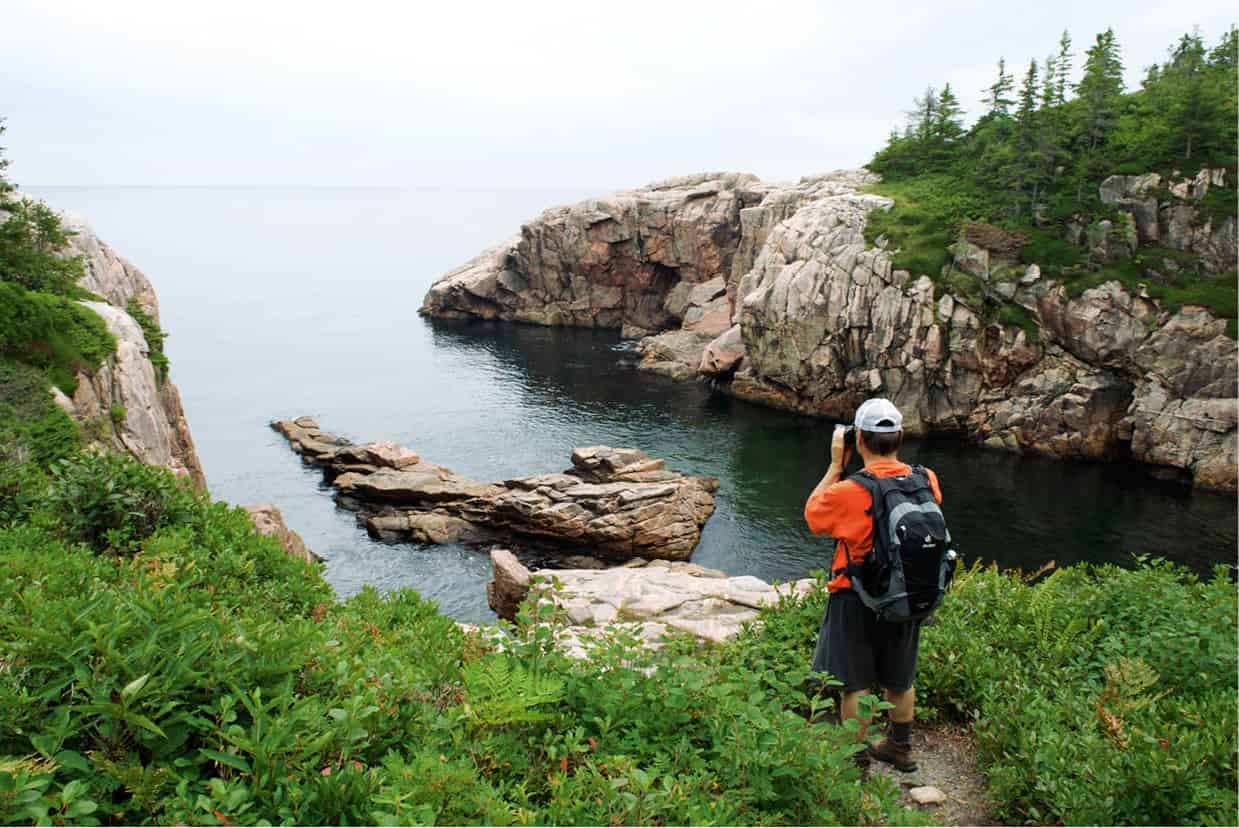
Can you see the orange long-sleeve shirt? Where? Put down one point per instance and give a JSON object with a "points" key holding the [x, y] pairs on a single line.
{"points": [[839, 511]]}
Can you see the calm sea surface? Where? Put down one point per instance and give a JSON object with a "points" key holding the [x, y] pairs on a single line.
{"points": [[282, 302]]}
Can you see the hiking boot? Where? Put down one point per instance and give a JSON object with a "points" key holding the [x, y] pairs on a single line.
{"points": [[893, 753]]}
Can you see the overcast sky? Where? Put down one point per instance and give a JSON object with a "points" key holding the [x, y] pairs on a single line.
{"points": [[508, 94]]}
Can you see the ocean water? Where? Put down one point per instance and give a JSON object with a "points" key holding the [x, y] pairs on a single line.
{"points": [[283, 302]]}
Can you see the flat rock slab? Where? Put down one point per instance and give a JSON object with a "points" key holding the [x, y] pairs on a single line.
{"points": [[613, 503], [658, 596]]}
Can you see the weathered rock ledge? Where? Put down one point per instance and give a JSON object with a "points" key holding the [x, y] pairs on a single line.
{"points": [[125, 404], [771, 291], [614, 504], [650, 599]]}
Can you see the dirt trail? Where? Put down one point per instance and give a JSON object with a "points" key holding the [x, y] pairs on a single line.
{"points": [[946, 756]]}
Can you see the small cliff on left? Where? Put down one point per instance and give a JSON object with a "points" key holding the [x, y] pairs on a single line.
{"points": [[129, 403], [83, 323]]}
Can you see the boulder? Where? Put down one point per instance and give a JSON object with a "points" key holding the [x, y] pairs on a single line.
{"points": [[663, 595], [153, 428], [269, 521], [723, 355], [511, 584]]}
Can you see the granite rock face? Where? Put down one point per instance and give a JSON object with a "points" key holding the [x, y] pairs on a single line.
{"points": [[613, 503], [153, 428], [1167, 213], [820, 320]]}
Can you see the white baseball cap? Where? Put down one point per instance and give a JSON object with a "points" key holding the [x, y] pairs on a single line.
{"points": [[879, 416]]}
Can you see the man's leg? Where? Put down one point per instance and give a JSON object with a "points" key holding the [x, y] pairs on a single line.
{"points": [[896, 748], [848, 705], [898, 648], [905, 703]]}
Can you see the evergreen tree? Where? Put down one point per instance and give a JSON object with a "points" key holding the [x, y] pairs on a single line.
{"points": [[1064, 68], [5, 186], [1100, 90], [1099, 94], [948, 120], [1031, 166], [921, 116], [1193, 111], [997, 97]]}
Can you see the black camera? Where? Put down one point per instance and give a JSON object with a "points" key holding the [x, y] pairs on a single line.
{"points": [[849, 437]]}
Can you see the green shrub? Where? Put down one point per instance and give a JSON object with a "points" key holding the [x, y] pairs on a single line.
{"points": [[154, 338], [111, 502], [1097, 696], [207, 677], [52, 333], [32, 426]]}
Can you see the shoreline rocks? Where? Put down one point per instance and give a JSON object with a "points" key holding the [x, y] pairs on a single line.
{"points": [[652, 598], [771, 292], [613, 503]]}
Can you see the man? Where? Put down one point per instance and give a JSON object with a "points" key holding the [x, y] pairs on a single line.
{"points": [[853, 645]]}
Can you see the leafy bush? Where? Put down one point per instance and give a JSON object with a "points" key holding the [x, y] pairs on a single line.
{"points": [[207, 677], [1097, 696], [52, 333], [32, 427], [111, 502]]}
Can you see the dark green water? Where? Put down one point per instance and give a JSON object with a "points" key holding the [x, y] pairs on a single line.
{"points": [[289, 302]]}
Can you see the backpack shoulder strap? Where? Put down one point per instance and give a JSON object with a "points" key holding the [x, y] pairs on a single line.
{"points": [[868, 481]]}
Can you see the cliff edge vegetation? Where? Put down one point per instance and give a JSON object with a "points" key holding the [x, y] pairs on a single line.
{"points": [[1041, 178]]}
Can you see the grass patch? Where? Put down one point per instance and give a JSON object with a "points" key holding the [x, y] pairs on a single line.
{"points": [[1172, 286], [32, 426], [924, 221]]}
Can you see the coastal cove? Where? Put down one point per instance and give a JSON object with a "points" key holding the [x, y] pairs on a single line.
{"points": [[304, 301]]}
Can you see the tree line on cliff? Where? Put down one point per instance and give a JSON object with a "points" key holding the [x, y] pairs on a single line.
{"points": [[1041, 149]]}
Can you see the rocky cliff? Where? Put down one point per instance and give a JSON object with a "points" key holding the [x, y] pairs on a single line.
{"points": [[772, 291], [126, 404]]}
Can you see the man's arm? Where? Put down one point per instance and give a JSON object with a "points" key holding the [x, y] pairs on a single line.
{"points": [[839, 458], [822, 511]]}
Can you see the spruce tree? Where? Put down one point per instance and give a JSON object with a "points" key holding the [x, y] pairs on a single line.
{"points": [[1099, 91], [997, 97], [1099, 94], [1064, 68]]}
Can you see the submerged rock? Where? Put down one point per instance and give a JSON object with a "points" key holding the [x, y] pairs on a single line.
{"points": [[615, 503]]}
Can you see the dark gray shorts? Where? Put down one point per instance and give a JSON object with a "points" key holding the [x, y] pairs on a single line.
{"points": [[861, 651]]}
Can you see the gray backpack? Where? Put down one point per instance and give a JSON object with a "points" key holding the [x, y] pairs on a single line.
{"points": [[906, 574]]}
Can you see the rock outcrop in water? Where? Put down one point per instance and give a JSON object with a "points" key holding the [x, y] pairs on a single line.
{"points": [[771, 291], [153, 427], [614, 503]]}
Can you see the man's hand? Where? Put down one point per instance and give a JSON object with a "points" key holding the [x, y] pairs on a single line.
{"points": [[840, 454], [839, 457]]}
